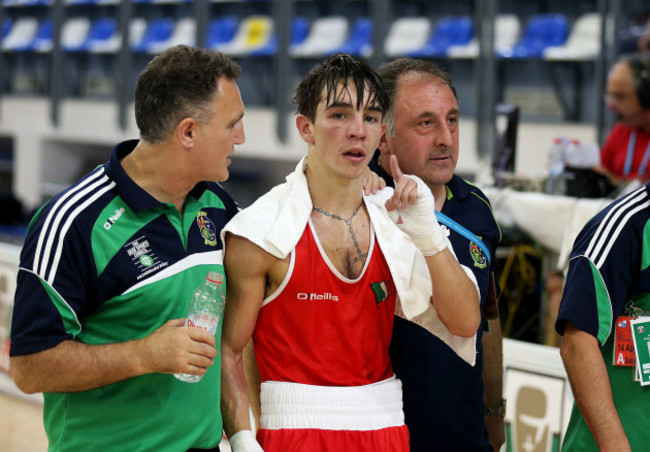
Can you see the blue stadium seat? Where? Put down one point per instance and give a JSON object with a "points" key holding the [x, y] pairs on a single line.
{"points": [[101, 31], [158, 30], [359, 41], [452, 31], [80, 2], [542, 31], [221, 30], [33, 2], [21, 34], [43, 40], [583, 43], [299, 30], [6, 26], [184, 33]]}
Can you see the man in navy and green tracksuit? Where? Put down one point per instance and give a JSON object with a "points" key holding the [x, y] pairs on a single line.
{"points": [[109, 266], [607, 287]]}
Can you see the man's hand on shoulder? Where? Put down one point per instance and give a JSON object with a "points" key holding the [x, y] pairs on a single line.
{"points": [[372, 182]]}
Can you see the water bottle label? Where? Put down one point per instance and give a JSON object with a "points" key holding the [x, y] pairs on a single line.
{"points": [[206, 322]]}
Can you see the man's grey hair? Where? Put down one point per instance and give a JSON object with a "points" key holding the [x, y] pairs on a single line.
{"points": [[393, 71]]}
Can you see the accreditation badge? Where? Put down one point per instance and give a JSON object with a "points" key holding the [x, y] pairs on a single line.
{"points": [[641, 338], [623, 342]]}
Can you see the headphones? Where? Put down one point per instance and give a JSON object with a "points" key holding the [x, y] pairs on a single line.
{"points": [[641, 74]]}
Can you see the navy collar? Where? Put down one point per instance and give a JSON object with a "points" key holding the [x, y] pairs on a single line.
{"points": [[458, 189], [376, 167], [134, 196]]}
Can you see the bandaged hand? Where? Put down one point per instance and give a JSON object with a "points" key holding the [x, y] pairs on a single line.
{"points": [[244, 441], [412, 208]]}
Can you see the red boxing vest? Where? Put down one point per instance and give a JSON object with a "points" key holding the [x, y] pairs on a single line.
{"points": [[321, 328]]}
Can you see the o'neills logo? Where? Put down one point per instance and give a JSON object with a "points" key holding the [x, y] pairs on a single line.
{"points": [[113, 218], [317, 296]]}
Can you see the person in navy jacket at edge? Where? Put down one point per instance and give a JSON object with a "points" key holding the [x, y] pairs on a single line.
{"points": [[444, 405]]}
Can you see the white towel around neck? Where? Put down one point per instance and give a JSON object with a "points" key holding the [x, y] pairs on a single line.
{"points": [[276, 221]]}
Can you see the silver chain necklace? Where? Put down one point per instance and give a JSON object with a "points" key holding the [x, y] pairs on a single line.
{"points": [[360, 256]]}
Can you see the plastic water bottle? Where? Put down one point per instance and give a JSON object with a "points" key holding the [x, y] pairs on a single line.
{"points": [[556, 156], [205, 311], [556, 184]]}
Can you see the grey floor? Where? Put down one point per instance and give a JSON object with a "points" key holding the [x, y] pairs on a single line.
{"points": [[21, 426]]}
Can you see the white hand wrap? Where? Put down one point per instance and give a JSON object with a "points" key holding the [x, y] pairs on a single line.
{"points": [[244, 441], [419, 221]]}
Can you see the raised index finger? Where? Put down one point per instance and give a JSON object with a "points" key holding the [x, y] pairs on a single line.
{"points": [[394, 169]]}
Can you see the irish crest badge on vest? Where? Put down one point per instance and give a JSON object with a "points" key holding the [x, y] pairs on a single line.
{"points": [[208, 231]]}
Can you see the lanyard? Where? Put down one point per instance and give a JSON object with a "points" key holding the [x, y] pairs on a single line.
{"points": [[630, 153], [444, 219]]}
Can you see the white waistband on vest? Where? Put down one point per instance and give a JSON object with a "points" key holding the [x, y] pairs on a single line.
{"points": [[295, 406]]}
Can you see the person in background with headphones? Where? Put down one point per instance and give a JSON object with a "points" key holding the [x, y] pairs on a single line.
{"points": [[625, 156]]}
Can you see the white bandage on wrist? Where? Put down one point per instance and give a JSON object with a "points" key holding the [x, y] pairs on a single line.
{"points": [[420, 223], [244, 441], [431, 244]]}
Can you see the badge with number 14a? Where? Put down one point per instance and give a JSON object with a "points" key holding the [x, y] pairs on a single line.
{"points": [[641, 337]]}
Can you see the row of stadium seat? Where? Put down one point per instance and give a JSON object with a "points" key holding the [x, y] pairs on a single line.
{"points": [[18, 3], [544, 36]]}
